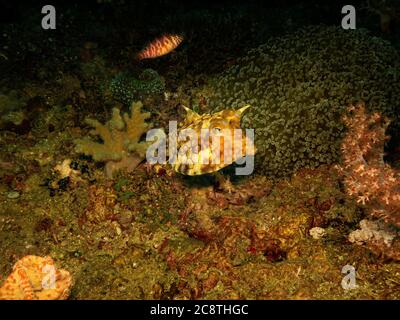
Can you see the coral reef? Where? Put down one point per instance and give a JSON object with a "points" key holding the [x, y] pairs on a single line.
{"points": [[101, 202], [29, 281], [248, 247], [379, 237], [242, 193], [127, 88], [65, 170], [147, 236], [96, 77], [66, 88], [374, 183], [67, 173], [299, 85], [214, 265], [55, 119], [149, 233], [366, 176], [121, 147], [317, 233]]}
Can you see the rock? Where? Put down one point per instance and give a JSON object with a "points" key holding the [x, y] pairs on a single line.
{"points": [[13, 195], [372, 231], [317, 233]]}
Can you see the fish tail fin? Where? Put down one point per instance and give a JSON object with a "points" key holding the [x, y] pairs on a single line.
{"points": [[139, 56]]}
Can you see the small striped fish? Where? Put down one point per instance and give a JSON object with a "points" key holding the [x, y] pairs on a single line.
{"points": [[160, 46]]}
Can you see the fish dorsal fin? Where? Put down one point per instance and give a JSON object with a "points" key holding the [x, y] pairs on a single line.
{"points": [[191, 115]]}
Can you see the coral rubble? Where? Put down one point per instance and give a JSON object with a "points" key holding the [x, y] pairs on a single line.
{"points": [[65, 170], [121, 147], [31, 280], [371, 231], [101, 201]]}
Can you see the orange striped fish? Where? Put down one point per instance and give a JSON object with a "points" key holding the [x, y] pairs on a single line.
{"points": [[160, 46]]}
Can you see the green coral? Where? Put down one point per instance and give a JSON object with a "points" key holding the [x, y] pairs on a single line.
{"points": [[121, 147], [127, 88], [300, 84]]}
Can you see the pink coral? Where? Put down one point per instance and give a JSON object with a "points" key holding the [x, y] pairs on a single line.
{"points": [[367, 177]]}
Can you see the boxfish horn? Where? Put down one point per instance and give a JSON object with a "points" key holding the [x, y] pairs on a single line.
{"points": [[243, 109], [191, 115]]}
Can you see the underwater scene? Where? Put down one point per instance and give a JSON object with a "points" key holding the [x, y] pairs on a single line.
{"points": [[206, 150]]}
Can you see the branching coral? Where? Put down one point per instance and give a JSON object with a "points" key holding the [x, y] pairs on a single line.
{"points": [[121, 147], [299, 86], [371, 181], [366, 176]]}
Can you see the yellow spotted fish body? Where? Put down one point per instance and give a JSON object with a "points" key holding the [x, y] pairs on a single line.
{"points": [[211, 159]]}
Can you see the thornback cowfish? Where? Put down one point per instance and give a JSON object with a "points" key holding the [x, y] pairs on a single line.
{"points": [[207, 157]]}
